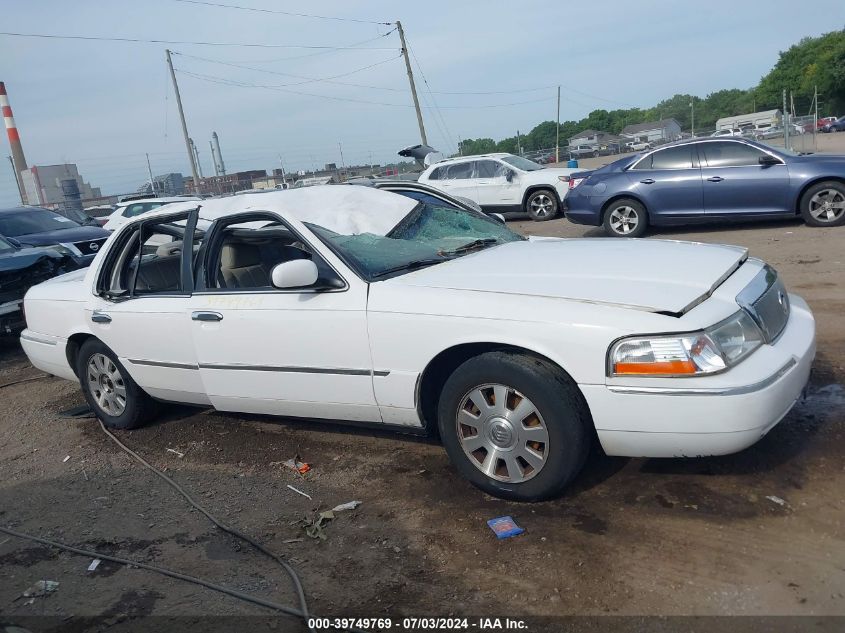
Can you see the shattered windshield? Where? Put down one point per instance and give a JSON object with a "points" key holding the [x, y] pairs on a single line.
{"points": [[428, 235]]}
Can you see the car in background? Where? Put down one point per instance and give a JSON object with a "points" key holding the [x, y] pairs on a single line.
{"points": [[421, 192], [835, 126], [822, 121], [347, 303], [22, 268], [637, 146], [728, 132], [583, 151], [706, 180], [773, 131], [132, 208], [100, 213], [502, 183], [34, 226]]}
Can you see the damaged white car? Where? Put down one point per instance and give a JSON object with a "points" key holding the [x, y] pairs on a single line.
{"points": [[349, 303]]}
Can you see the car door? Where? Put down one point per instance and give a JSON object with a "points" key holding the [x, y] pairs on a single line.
{"points": [[494, 189], [300, 352], [141, 308], [459, 180], [669, 183], [736, 183]]}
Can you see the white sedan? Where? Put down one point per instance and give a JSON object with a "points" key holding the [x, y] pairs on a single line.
{"points": [[350, 303]]}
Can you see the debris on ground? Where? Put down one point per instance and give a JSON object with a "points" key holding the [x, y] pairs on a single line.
{"points": [[175, 452], [65, 459], [293, 540], [94, 564], [776, 500], [299, 492], [294, 464], [40, 588], [504, 527], [314, 527], [349, 505]]}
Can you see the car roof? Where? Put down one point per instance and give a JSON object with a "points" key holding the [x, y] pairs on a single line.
{"points": [[126, 203], [456, 159], [338, 208]]}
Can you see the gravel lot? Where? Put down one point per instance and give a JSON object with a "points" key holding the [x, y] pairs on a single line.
{"points": [[758, 533]]}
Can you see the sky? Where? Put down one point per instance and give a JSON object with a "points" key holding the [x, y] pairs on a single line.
{"points": [[105, 105]]}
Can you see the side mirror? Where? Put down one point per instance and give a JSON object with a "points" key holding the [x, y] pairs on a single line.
{"points": [[498, 216], [297, 273], [13, 242], [766, 160], [509, 175]]}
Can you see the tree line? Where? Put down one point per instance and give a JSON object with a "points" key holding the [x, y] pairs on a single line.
{"points": [[813, 63]]}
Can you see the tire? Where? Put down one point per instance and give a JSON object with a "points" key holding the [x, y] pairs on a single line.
{"points": [[595, 154], [823, 204], [556, 409], [625, 218], [541, 205], [119, 402]]}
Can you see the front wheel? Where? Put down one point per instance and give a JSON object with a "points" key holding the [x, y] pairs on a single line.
{"points": [[625, 218], [541, 205], [111, 393], [823, 204], [514, 425]]}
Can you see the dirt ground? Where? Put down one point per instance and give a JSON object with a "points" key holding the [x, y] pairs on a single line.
{"points": [[757, 533]]}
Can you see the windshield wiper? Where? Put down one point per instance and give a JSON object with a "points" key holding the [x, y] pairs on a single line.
{"points": [[417, 263], [471, 246]]}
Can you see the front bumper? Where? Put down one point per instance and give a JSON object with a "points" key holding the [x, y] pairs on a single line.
{"points": [[715, 415]]}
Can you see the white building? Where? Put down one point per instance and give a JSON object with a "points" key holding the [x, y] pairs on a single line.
{"points": [[42, 184], [772, 117], [653, 131]]}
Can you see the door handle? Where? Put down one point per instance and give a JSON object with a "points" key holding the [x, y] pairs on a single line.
{"points": [[647, 181], [100, 317], [715, 179], [206, 316]]}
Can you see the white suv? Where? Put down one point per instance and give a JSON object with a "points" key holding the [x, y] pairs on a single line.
{"points": [[502, 183], [128, 209]]}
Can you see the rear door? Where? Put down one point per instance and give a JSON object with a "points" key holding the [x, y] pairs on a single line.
{"points": [[459, 179], [142, 307], [669, 182], [736, 184], [494, 190]]}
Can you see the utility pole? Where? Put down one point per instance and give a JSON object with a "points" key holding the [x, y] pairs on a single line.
{"points": [[557, 129], [815, 115], [518, 144], [342, 163], [184, 125], [17, 180], [150, 172], [196, 156], [785, 122], [692, 117], [411, 81]]}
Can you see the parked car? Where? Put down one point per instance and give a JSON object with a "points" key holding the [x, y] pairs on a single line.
{"points": [[706, 180], [22, 268], [100, 213], [34, 226], [821, 122], [350, 303], [421, 193], [502, 183], [583, 151], [728, 132], [127, 209], [774, 131], [836, 126], [637, 146]]}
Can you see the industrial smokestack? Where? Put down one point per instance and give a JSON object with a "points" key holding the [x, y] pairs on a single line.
{"points": [[219, 166], [213, 158], [196, 157], [18, 159]]}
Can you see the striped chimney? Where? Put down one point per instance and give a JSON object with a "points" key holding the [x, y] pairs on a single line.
{"points": [[14, 138]]}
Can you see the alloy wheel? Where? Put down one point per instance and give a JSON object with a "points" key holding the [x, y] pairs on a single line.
{"points": [[106, 384], [502, 433], [542, 205], [827, 205], [624, 220]]}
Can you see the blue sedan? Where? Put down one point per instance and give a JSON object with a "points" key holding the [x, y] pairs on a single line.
{"points": [[708, 180]]}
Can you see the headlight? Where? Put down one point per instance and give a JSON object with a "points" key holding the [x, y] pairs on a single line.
{"points": [[706, 352]]}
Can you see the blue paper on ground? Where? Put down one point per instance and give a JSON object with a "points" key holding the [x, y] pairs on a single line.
{"points": [[504, 527]]}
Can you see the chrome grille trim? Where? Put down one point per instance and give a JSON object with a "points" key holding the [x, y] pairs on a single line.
{"points": [[766, 301]]}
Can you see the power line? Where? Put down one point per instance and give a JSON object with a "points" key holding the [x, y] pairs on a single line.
{"points": [[279, 12], [186, 42], [306, 78]]}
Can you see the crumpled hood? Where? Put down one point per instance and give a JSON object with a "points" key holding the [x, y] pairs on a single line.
{"points": [[652, 275]]}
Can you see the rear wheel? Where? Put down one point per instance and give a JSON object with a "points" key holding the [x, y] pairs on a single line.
{"points": [[514, 425], [823, 204], [111, 393], [541, 205], [625, 218]]}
